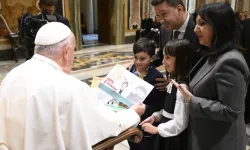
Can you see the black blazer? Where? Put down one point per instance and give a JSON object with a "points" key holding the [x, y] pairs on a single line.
{"points": [[147, 24], [246, 44], [166, 36]]}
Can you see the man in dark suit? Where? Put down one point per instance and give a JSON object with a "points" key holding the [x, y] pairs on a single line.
{"points": [[246, 54], [146, 26], [177, 23], [49, 7], [48, 13]]}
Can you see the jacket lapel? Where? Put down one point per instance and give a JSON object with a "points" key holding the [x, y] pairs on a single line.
{"points": [[189, 33], [205, 69]]}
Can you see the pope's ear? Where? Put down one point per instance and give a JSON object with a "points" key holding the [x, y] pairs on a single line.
{"points": [[65, 50]]}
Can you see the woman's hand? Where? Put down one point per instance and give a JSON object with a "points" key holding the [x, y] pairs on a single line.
{"points": [[147, 127], [187, 95], [149, 120]]}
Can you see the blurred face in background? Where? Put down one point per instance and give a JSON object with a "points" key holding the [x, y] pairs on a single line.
{"points": [[146, 15], [246, 14], [46, 8], [242, 17], [157, 19]]}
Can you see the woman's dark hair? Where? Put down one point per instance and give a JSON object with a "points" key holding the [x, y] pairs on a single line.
{"points": [[144, 45], [222, 19], [181, 49]]}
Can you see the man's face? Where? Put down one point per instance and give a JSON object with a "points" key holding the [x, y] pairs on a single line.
{"points": [[169, 16], [48, 9]]}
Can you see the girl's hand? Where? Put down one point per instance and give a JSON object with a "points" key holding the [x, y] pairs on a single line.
{"points": [[149, 120], [150, 128], [187, 95]]}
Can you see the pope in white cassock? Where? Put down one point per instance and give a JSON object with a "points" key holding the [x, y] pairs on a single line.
{"points": [[42, 107]]}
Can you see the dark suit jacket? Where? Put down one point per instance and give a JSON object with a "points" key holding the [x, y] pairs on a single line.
{"points": [[217, 107], [166, 36], [246, 44], [147, 24]]}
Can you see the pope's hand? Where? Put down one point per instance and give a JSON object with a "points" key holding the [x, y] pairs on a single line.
{"points": [[139, 108], [149, 120]]}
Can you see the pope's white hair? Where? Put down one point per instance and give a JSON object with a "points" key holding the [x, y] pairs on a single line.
{"points": [[53, 50]]}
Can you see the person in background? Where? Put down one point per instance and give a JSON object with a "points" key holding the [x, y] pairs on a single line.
{"points": [[43, 107], [146, 26], [154, 34], [218, 90], [246, 14], [49, 7], [239, 24], [144, 51], [171, 131]]}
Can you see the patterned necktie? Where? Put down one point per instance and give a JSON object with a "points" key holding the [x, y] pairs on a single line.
{"points": [[176, 34]]}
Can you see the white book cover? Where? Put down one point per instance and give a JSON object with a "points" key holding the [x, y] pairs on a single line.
{"points": [[125, 87]]}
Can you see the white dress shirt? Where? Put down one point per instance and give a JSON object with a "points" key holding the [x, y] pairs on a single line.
{"points": [[42, 108], [182, 28], [179, 120]]}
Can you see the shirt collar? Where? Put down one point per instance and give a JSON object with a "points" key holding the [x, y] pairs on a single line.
{"points": [[48, 61], [184, 26]]}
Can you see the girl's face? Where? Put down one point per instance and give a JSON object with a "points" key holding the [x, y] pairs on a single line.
{"points": [[142, 61], [204, 31], [169, 62]]}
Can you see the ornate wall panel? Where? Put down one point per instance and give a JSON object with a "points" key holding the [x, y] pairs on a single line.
{"points": [[134, 18]]}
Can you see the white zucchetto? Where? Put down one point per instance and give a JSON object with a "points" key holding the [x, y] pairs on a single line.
{"points": [[52, 33]]}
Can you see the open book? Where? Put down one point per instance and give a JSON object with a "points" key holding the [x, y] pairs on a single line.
{"points": [[124, 87]]}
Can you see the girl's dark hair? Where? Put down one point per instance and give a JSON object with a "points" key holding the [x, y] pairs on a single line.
{"points": [[181, 49], [144, 45], [222, 19]]}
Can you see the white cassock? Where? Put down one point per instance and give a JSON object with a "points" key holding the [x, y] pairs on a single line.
{"points": [[42, 108]]}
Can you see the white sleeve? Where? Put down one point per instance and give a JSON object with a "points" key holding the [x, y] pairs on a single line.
{"points": [[180, 121], [101, 121], [157, 115]]}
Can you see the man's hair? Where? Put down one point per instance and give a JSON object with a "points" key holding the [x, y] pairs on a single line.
{"points": [[173, 3], [144, 45], [48, 2], [52, 50]]}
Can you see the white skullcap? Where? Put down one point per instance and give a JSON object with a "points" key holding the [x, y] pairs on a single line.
{"points": [[52, 33]]}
